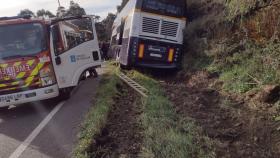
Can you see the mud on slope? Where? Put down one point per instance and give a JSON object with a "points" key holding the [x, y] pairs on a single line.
{"points": [[236, 129], [121, 136]]}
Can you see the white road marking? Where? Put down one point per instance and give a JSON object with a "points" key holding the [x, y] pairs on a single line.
{"points": [[17, 153]]}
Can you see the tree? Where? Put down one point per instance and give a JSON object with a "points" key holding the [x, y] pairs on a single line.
{"points": [[75, 10], [44, 13], [26, 12], [60, 12], [97, 17], [104, 28]]}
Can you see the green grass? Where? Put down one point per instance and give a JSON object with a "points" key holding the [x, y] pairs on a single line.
{"points": [[249, 69], [240, 8], [165, 133], [97, 117]]}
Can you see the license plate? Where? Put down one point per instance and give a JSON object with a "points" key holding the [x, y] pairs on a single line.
{"points": [[11, 98], [156, 55], [157, 49]]}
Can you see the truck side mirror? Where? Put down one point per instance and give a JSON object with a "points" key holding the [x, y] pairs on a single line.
{"points": [[58, 60]]}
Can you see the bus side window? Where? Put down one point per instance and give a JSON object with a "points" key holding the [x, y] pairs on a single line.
{"points": [[121, 32], [114, 40]]}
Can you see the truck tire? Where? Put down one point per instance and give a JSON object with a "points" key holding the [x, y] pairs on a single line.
{"points": [[4, 109], [65, 93], [93, 73]]}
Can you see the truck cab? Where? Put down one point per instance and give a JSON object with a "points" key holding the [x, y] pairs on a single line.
{"points": [[42, 59]]}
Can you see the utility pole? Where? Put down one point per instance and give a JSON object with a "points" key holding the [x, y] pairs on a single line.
{"points": [[58, 3], [61, 10]]}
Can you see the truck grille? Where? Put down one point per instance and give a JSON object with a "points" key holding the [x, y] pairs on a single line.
{"points": [[169, 28], [15, 86], [159, 27], [150, 25]]}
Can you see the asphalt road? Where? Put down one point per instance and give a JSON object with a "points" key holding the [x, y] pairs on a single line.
{"points": [[23, 135]]}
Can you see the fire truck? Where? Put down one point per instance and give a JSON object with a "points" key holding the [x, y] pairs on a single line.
{"points": [[42, 59]]}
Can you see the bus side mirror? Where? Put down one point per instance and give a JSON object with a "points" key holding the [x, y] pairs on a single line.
{"points": [[57, 60]]}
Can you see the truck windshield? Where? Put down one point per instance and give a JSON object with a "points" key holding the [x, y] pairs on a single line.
{"points": [[21, 40], [165, 7]]}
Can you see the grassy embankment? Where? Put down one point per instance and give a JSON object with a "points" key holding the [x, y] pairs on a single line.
{"points": [[242, 46], [165, 134], [97, 116]]}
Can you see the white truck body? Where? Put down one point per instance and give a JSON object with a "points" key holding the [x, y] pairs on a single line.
{"points": [[68, 65]]}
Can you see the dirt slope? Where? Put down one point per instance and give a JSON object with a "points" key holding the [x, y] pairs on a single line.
{"points": [[236, 129], [121, 136]]}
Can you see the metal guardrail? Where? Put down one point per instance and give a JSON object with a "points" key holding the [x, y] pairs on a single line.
{"points": [[136, 86]]}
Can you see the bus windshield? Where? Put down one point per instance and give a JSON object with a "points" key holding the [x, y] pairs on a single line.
{"points": [[21, 40], [165, 7]]}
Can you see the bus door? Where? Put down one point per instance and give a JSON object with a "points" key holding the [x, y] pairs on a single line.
{"points": [[74, 46]]}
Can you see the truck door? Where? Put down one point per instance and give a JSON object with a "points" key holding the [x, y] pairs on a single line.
{"points": [[75, 49]]}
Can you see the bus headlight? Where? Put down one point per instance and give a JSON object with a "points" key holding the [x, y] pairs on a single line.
{"points": [[171, 55], [141, 51]]}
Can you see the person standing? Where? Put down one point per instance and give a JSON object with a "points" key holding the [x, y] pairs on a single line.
{"points": [[104, 49]]}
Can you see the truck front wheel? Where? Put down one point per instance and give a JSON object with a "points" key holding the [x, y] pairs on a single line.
{"points": [[93, 72], [65, 93]]}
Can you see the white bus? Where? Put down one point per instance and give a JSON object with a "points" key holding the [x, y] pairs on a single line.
{"points": [[149, 33]]}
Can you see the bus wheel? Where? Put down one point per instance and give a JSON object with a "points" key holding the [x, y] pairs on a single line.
{"points": [[118, 56], [125, 67], [65, 93]]}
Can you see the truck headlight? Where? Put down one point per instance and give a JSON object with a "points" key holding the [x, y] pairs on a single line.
{"points": [[46, 81], [47, 76], [46, 71]]}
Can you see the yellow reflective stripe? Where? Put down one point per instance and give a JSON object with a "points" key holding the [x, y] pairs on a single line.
{"points": [[15, 83], [37, 69], [3, 65], [17, 63], [21, 75], [7, 78], [10, 89], [3, 85], [40, 65], [28, 81], [30, 62]]}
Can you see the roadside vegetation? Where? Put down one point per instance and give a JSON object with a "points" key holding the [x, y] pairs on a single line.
{"points": [[250, 68], [98, 114], [234, 40], [237, 8], [231, 75], [165, 133]]}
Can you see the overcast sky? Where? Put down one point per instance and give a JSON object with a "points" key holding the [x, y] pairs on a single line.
{"points": [[98, 7]]}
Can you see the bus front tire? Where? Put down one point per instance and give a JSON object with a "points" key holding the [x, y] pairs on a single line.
{"points": [[125, 67]]}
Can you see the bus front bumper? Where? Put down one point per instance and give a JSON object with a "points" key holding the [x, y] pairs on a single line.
{"points": [[157, 65], [29, 96]]}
